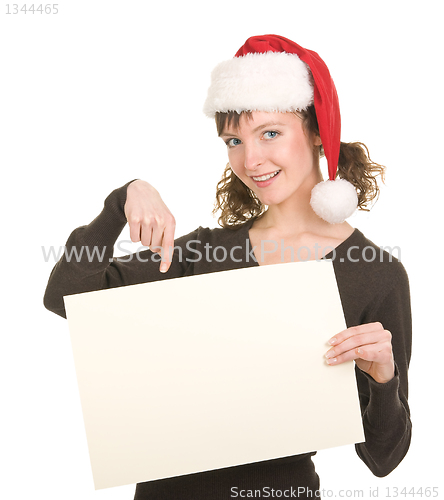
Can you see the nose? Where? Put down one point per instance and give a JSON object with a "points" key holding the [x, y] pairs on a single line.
{"points": [[253, 156]]}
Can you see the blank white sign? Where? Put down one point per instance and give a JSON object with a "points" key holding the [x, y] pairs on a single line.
{"points": [[210, 371]]}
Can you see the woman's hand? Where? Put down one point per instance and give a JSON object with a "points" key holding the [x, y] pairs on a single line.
{"points": [[150, 221], [369, 345]]}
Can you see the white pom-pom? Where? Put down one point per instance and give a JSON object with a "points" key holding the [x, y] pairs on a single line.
{"points": [[334, 201]]}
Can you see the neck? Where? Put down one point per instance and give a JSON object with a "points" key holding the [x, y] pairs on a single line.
{"points": [[294, 215]]}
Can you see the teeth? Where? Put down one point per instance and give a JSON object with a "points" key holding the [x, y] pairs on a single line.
{"points": [[266, 177]]}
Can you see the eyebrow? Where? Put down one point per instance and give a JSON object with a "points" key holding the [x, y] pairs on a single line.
{"points": [[260, 127]]}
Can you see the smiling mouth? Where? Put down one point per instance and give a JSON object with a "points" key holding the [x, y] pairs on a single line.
{"points": [[265, 177]]}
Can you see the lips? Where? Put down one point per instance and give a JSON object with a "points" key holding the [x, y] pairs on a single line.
{"points": [[265, 177]]}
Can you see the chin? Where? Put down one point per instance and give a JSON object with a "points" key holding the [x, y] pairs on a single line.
{"points": [[270, 200]]}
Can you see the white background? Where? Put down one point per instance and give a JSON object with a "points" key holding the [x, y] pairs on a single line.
{"points": [[104, 92]]}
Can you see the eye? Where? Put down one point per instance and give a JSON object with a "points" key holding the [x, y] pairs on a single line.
{"points": [[233, 142], [270, 134]]}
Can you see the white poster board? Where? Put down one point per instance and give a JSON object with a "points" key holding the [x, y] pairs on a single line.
{"points": [[205, 372]]}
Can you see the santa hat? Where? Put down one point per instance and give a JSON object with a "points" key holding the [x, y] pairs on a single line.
{"points": [[271, 73]]}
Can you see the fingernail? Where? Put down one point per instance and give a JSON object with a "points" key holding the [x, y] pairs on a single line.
{"points": [[330, 353], [163, 267], [333, 341], [331, 361]]}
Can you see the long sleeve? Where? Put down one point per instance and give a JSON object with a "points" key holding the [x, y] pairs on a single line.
{"points": [[370, 291], [376, 289], [88, 263], [385, 410]]}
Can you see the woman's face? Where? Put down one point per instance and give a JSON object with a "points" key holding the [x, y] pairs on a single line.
{"points": [[272, 155]]}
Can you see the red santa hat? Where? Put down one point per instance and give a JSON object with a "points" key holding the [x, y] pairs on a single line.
{"points": [[271, 73]]}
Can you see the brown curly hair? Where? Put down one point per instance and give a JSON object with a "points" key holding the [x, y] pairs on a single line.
{"points": [[238, 203]]}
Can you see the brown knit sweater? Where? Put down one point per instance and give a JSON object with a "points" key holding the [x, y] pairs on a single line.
{"points": [[371, 289]]}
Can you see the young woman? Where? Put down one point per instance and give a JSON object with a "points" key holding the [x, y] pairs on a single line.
{"points": [[277, 110]]}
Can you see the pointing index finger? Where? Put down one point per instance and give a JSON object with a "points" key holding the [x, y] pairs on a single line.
{"points": [[167, 249]]}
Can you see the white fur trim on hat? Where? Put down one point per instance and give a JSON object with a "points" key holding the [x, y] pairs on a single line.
{"points": [[334, 201], [271, 81]]}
